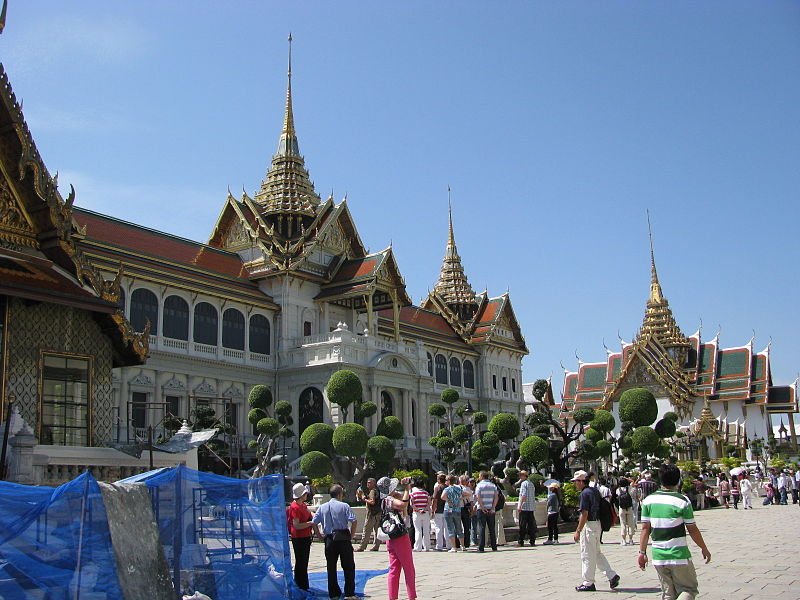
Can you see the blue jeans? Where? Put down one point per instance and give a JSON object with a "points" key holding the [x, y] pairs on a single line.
{"points": [[784, 496]]}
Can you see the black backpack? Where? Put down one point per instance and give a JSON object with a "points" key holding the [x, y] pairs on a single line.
{"points": [[604, 513], [501, 499], [624, 498]]}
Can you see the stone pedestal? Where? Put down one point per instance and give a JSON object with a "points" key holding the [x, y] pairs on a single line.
{"points": [[21, 458]]}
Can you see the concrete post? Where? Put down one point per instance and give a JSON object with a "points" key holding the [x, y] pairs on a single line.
{"points": [[21, 460]]}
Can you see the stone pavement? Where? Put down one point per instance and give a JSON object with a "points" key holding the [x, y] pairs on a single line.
{"points": [[753, 556]]}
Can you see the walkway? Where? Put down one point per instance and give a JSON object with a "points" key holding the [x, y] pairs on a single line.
{"points": [[753, 556]]}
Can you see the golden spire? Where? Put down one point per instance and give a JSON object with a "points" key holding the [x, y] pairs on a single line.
{"points": [[287, 190], [453, 285], [658, 318]]}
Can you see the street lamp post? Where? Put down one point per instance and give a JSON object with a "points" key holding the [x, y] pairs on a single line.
{"points": [[469, 420]]}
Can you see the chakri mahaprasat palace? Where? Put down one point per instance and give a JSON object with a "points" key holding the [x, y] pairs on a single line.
{"points": [[723, 396], [284, 293]]}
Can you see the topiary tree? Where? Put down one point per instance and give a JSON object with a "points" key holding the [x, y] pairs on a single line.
{"points": [[273, 424], [593, 435], [344, 388], [644, 440], [638, 405], [535, 451], [449, 397], [603, 421], [363, 411], [391, 427], [604, 448], [665, 428]]}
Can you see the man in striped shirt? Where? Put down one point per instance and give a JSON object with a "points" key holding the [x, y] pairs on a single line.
{"points": [[421, 504], [667, 516]]}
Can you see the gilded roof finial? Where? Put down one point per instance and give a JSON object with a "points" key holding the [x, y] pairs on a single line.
{"points": [[656, 295], [453, 285], [288, 118], [3, 16]]}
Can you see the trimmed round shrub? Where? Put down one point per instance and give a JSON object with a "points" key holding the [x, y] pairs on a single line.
{"points": [[479, 418], [639, 406], [537, 418], [446, 444], [380, 449], [665, 428], [593, 435], [260, 397], [583, 415], [603, 421], [534, 450], [505, 426], [268, 426], [252, 444], [315, 465], [350, 439], [283, 408], [318, 436], [460, 411], [450, 396], [255, 415], [434, 441], [542, 430], [460, 434], [286, 432], [443, 433], [490, 438], [625, 441], [663, 451], [365, 410], [604, 448], [671, 416], [482, 452], [537, 480], [344, 388], [589, 449], [512, 475], [437, 410], [391, 427], [644, 440]]}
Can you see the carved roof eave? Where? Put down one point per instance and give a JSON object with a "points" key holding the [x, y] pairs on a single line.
{"points": [[57, 226], [435, 302], [678, 388], [374, 282], [492, 338]]}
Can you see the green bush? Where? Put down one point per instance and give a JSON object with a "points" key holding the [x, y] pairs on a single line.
{"points": [[535, 450], [479, 418], [443, 433], [639, 406], [583, 415], [380, 449], [571, 495], [413, 474], [665, 428], [317, 436], [350, 439], [260, 397], [391, 427], [322, 485], [538, 481], [283, 408], [604, 448], [505, 426], [446, 444], [593, 435], [645, 440], [437, 410], [603, 421], [460, 434], [490, 438], [365, 410], [542, 431], [449, 396], [512, 475], [671, 416], [344, 388], [255, 415], [315, 464], [482, 452], [268, 426]]}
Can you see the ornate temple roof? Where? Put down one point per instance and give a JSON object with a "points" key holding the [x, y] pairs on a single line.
{"points": [[453, 286], [287, 188]]}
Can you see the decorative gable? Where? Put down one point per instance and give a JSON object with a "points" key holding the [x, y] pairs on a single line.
{"points": [[16, 230]]}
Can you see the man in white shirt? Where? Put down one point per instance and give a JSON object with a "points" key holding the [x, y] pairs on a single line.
{"points": [[485, 502]]}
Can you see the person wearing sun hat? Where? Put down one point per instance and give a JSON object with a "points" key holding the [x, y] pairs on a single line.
{"points": [[588, 535], [553, 508], [300, 531], [395, 495]]}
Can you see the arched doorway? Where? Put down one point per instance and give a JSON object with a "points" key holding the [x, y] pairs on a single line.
{"points": [[387, 404], [310, 408]]}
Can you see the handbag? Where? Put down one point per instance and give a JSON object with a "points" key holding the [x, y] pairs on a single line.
{"points": [[392, 525]]}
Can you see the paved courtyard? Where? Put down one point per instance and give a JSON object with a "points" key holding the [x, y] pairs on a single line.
{"points": [[753, 556]]}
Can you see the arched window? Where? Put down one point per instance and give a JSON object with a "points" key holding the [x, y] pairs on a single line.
{"points": [[455, 372], [310, 406], [469, 375], [387, 404], [441, 369], [144, 307], [430, 364], [259, 334], [233, 329], [176, 318], [205, 324]]}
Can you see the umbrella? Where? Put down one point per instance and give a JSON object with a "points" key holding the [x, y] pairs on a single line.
{"points": [[737, 470], [549, 482]]}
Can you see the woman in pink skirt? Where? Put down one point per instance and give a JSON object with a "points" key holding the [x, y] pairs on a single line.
{"points": [[395, 496]]}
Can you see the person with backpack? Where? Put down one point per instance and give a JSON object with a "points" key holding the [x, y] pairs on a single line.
{"points": [[395, 496], [587, 534], [627, 519]]}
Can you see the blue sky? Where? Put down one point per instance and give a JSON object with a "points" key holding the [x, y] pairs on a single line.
{"points": [[556, 125]]}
